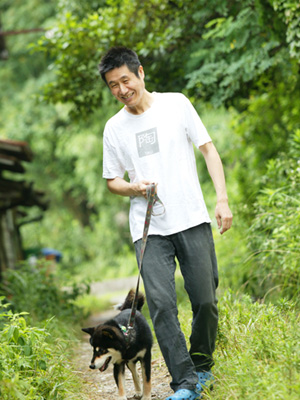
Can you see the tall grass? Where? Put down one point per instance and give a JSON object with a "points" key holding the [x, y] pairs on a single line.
{"points": [[258, 349], [34, 362], [37, 322]]}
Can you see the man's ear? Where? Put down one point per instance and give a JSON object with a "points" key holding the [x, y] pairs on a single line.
{"points": [[141, 72], [90, 331]]}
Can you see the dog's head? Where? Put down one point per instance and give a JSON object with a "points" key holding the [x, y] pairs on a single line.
{"points": [[107, 343]]}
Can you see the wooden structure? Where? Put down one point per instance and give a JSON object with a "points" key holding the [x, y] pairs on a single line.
{"points": [[14, 193]]}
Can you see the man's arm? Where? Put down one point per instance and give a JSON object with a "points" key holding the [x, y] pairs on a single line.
{"points": [[123, 188], [215, 168]]}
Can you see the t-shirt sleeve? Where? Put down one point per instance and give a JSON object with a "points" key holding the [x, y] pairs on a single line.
{"points": [[195, 128], [112, 164]]}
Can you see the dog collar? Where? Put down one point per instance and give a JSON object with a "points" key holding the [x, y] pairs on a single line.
{"points": [[123, 329], [129, 334]]}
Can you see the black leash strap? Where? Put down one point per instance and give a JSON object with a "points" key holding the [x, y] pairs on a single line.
{"points": [[152, 198]]}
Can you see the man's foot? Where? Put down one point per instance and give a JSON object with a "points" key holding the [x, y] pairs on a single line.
{"points": [[185, 394], [205, 380]]}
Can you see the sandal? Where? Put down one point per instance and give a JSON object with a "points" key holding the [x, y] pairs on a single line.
{"points": [[185, 394], [206, 380]]}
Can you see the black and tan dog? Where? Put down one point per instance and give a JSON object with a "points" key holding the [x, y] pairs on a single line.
{"points": [[111, 344]]}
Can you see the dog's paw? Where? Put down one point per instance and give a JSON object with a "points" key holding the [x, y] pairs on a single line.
{"points": [[146, 397]]}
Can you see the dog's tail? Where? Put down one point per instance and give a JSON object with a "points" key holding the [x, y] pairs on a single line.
{"points": [[129, 300]]}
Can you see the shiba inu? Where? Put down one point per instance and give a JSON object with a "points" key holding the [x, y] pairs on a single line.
{"points": [[112, 344]]}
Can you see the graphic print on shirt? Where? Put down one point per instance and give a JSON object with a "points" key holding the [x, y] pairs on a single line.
{"points": [[147, 142]]}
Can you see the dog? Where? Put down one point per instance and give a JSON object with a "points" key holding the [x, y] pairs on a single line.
{"points": [[113, 344]]}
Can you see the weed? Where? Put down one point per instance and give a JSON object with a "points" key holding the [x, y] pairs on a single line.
{"points": [[32, 365], [33, 289], [258, 349]]}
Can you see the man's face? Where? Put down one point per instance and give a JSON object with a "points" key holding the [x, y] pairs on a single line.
{"points": [[125, 86]]}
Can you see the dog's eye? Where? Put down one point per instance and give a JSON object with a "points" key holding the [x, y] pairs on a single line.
{"points": [[97, 349]]}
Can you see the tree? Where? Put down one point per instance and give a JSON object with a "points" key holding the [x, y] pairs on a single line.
{"points": [[219, 50]]}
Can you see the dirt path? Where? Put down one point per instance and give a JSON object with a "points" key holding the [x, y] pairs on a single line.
{"points": [[101, 386]]}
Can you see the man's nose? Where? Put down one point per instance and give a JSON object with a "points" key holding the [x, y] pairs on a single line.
{"points": [[122, 88]]}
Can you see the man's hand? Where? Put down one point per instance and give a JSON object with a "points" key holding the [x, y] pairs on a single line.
{"points": [[123, 188], [141, 188], [223, 216]]}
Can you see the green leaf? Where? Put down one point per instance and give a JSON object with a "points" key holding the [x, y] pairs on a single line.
{"points": [[42, 365]]}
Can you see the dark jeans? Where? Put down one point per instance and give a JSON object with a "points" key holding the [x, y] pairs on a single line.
{"points": [[194, 250]]}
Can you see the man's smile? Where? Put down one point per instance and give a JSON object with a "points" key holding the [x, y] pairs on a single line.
{"points": [[128, 96]]}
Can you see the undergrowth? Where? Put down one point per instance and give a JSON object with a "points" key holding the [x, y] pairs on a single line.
{"points": [[37, 335], [33, 361], [35, 290], [257, 351]]}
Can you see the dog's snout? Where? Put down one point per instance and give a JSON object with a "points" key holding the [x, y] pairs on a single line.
{"points": [[92, 366]]}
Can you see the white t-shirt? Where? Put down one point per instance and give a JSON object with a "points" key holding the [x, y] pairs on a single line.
{"points": [[158, 146]]}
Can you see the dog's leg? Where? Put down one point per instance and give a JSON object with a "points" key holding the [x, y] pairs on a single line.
{"points": [[146, 374], [137, 386], [119, 375]]}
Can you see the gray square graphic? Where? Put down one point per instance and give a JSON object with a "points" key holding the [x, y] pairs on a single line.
{"points": [[147, 142]]}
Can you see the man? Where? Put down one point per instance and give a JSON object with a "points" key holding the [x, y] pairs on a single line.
{"points": [[151, 138]]}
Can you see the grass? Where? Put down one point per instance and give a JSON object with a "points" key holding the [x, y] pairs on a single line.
{"points": [[34, 361], [258, 349], [37, 335]]}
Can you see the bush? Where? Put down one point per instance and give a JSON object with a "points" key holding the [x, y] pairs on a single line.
{"points": [[273, 269], [32, 366], [35, 290]]}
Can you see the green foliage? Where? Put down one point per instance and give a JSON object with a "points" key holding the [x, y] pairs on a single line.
{"points": [[257, 349], [31, 366], [234, 51], [67, 166], [36, 290], [264, 127], [268, 176], [18, 15], [219, 49], [274, 234], [289, 12], [77, 43]]}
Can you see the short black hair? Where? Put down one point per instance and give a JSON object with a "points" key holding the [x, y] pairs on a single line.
{"points": [[118, 56]]}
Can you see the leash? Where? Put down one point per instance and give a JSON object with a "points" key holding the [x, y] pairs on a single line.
{"points": [[152, 198]]}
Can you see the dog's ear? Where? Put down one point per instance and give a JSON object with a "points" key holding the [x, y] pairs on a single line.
{"points": [[90, 331], [109, 333]]}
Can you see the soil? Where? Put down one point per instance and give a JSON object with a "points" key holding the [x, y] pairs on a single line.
{"points": [[101, 385]]}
